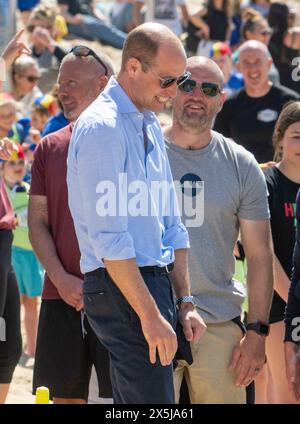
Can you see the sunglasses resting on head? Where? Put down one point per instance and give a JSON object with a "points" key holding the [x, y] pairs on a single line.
{"points": [[84, 51]]}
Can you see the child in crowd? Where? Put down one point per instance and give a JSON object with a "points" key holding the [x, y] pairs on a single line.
{"points": [[8, 119], [28, 270], [283, 182]]}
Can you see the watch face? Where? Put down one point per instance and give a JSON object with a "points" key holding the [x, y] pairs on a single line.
{"points": [[264, 329]]}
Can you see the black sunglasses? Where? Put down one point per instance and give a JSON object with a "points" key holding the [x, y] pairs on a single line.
{"points": [[31, 28], [168, 81], [83, 51], [209, 89], [31, 78]]}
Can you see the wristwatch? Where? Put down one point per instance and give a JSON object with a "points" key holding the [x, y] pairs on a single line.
{"points": [[259, 327], [185, 299]]}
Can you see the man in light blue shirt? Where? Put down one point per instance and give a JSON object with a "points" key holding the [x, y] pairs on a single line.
{"points": [[124, 207]]}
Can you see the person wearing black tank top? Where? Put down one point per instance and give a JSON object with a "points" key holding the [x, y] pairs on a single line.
{"points": [[283, 181], [284, 45]]}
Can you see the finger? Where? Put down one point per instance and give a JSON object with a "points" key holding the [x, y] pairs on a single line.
{"points": [[198, 332], [152, 353], [235, 357], [26, 50], [241, 376], [18, 34], [187, 329], [251, 375]]}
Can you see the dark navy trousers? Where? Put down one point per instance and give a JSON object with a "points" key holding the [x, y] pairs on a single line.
{"points": [[134, 379]]}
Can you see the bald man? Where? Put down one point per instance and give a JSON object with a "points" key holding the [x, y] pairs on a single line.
{"points": [[249, 116], [66, 345], [129, 240], [228, 195]]}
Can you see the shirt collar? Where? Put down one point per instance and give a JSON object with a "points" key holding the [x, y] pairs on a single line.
{"points": [[125, 104]]}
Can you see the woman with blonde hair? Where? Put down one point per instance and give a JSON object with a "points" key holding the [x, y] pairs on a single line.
{"points": [[24, 78], [283, 182]]}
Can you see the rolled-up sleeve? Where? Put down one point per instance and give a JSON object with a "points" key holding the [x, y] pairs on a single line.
{"points": [[176, 235], [98, 157]]}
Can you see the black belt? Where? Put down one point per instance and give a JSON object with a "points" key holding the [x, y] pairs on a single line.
{"points": [[148, 269]]}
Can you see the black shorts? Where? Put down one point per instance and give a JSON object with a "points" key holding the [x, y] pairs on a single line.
{"points": [[10, 327], [64, 357], [277, 309]]}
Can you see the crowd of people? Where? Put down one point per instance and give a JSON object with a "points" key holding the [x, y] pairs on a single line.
{"points": [[141, 285]]}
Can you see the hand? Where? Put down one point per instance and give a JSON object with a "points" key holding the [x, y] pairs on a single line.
{"points": [[292, 366], [266, 165], [35, 135], [69, 288], [77, 19], [193, 325], [205, 31], [6, 148], [160, 336], [248, 358], [14, 49], [42, 37]]}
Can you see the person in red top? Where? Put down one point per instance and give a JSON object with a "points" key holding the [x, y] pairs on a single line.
{"points": [[10, 333], [66, 344]]}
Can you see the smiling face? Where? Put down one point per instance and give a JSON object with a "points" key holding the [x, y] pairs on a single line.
{"points": [[195, 111], [254, 64], [8, 117], [290, 144], [27, 80], [14, 171], [146, 91], [79, 84]]}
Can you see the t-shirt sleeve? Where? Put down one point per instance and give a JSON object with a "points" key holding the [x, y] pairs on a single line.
{"points": [[254, 195], [38, 185], [221, 124]]}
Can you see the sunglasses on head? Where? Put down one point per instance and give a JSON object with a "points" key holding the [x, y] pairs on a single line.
{"points": [[209, 89], [267, 32], [83, 51]]}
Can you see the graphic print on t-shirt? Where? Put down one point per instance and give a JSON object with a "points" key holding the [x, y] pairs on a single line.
{"points": [[290, 211], [191, 200], [165, 9]]}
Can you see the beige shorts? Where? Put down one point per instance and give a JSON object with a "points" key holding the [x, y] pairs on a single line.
{"points": [[208, 378]]}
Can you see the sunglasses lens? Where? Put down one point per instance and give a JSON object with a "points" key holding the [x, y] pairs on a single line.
{"points": [[210, 89], [183, 78], [30, 28], [167, 82], [187, 86]]}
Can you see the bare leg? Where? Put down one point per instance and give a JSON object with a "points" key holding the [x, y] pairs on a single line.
{"points": [[275, 354], [3, 392], [30, 322], [63, 401], [262, 383]]}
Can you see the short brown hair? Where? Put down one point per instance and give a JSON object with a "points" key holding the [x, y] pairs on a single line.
{"points": [[289, 115], [141, 44]]}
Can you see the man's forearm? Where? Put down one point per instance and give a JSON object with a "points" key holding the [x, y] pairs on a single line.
{"points": [[260, 287], [128, 279], [180, 275], [43, 245]]}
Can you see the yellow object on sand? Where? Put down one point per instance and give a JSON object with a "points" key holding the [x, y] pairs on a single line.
{"points": [[42, 395]]}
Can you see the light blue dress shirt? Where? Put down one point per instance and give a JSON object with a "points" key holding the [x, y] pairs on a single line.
{"points": [[116, 211]]}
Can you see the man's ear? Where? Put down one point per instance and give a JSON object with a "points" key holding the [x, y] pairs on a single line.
{"points": [[133, 66], [223, 97]]}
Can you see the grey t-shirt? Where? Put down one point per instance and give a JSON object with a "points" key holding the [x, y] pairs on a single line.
{"points": [[217, 185]]}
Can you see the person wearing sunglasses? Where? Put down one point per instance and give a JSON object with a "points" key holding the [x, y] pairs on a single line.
{"points": [[41, 29], [82, 77], [24, 79], [229, 194], [127, 257]]}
